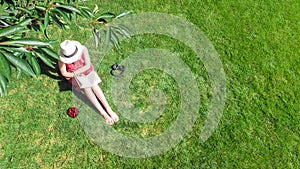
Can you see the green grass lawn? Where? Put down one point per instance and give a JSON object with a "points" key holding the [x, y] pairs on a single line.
{"points": [[258, 43]]}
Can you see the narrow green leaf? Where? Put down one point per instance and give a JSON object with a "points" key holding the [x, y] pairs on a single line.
{"points": [[4, 67], [29, 41], [118, 30], [46, 60], [84, 7], [116, 45], [6, 43], [42, 28], [19, 73], [1, 91], [70, 8], [24, 10], [88, 10], [95, 9], [3, 84], [45, 25], [63, 15], [50, 52], [96, 39], [45, 34], [103, 21], [107, 17], [46, 19], [19, 63], [10, 30], [42, 8], [124, 14], [108, 35], [125, 30], [74, 18], [65, 10], [58, 22], [114, 37], [5, 24], [85, 13], [35, 65], [6, 17], [25, 22], [51, 42], [16, 49]]}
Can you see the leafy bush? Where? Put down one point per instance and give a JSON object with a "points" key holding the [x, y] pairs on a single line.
{"points": [[24, 54]]}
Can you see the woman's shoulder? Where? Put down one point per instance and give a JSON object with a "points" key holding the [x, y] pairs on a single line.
{"points": [[84, 47]]}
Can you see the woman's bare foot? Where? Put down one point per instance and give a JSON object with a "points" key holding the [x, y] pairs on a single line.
{"points": [[113, 115], [108, 120]]}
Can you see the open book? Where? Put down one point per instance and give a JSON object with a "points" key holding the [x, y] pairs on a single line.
{"points": [[88, 80]]}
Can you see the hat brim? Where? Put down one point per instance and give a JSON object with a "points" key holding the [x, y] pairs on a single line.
{"points": [[73, 58]]}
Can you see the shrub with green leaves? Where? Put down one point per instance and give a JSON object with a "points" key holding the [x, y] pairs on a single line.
{"points": [[23, 54]]}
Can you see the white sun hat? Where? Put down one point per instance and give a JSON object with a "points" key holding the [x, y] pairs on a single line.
{"points": [[70, 51]]}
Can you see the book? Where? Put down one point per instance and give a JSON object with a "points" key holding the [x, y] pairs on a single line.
{"points": [[88, 80]]}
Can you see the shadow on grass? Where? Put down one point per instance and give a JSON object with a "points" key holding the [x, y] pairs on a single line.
{"points": [[54, 73]]}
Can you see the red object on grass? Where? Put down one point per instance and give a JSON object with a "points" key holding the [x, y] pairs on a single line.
{"points": [[72, 112]]}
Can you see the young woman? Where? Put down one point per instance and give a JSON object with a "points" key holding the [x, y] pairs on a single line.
{"points": [[74, 64]]}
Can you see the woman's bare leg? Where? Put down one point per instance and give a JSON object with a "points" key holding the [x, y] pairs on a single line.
{"points": [[101, 97], [91, 96]]}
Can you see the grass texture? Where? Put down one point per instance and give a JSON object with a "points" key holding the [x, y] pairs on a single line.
{"points": [[258, 43]]}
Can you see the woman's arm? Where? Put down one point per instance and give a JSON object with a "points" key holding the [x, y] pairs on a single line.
{"points": [[63, 70], [87, 62]]}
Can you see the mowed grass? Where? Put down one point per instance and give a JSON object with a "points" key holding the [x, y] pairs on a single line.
{"points": [[258, 44]]}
